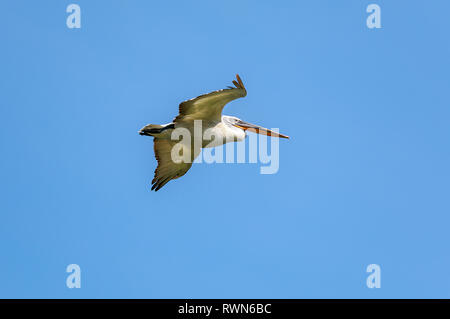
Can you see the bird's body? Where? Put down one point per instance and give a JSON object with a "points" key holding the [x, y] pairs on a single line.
{"points": [[202, 119], [222, 132]]}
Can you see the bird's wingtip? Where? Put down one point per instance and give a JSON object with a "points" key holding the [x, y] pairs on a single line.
{"points": [[239, 84]]}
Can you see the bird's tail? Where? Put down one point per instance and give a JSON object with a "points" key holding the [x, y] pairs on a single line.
{"points": [[155, 129]]}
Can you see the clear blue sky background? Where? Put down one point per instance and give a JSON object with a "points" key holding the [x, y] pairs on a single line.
{"points": [[365, 178]]}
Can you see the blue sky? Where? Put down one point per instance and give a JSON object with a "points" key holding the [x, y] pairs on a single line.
{"points": [[364, 179]]}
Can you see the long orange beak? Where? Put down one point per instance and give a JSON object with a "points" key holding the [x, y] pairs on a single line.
{"points": [[258, 129]]}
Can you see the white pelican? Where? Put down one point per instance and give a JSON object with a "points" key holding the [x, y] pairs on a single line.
{"points": [[208, 109]]}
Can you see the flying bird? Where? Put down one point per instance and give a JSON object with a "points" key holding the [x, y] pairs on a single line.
{"points": [[207, 110]]}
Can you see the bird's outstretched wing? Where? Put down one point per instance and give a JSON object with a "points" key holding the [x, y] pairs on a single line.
{"points": [[209, 106], [168, 169]]}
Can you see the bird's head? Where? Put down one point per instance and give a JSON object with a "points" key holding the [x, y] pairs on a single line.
{"points": [[240, 124]]}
